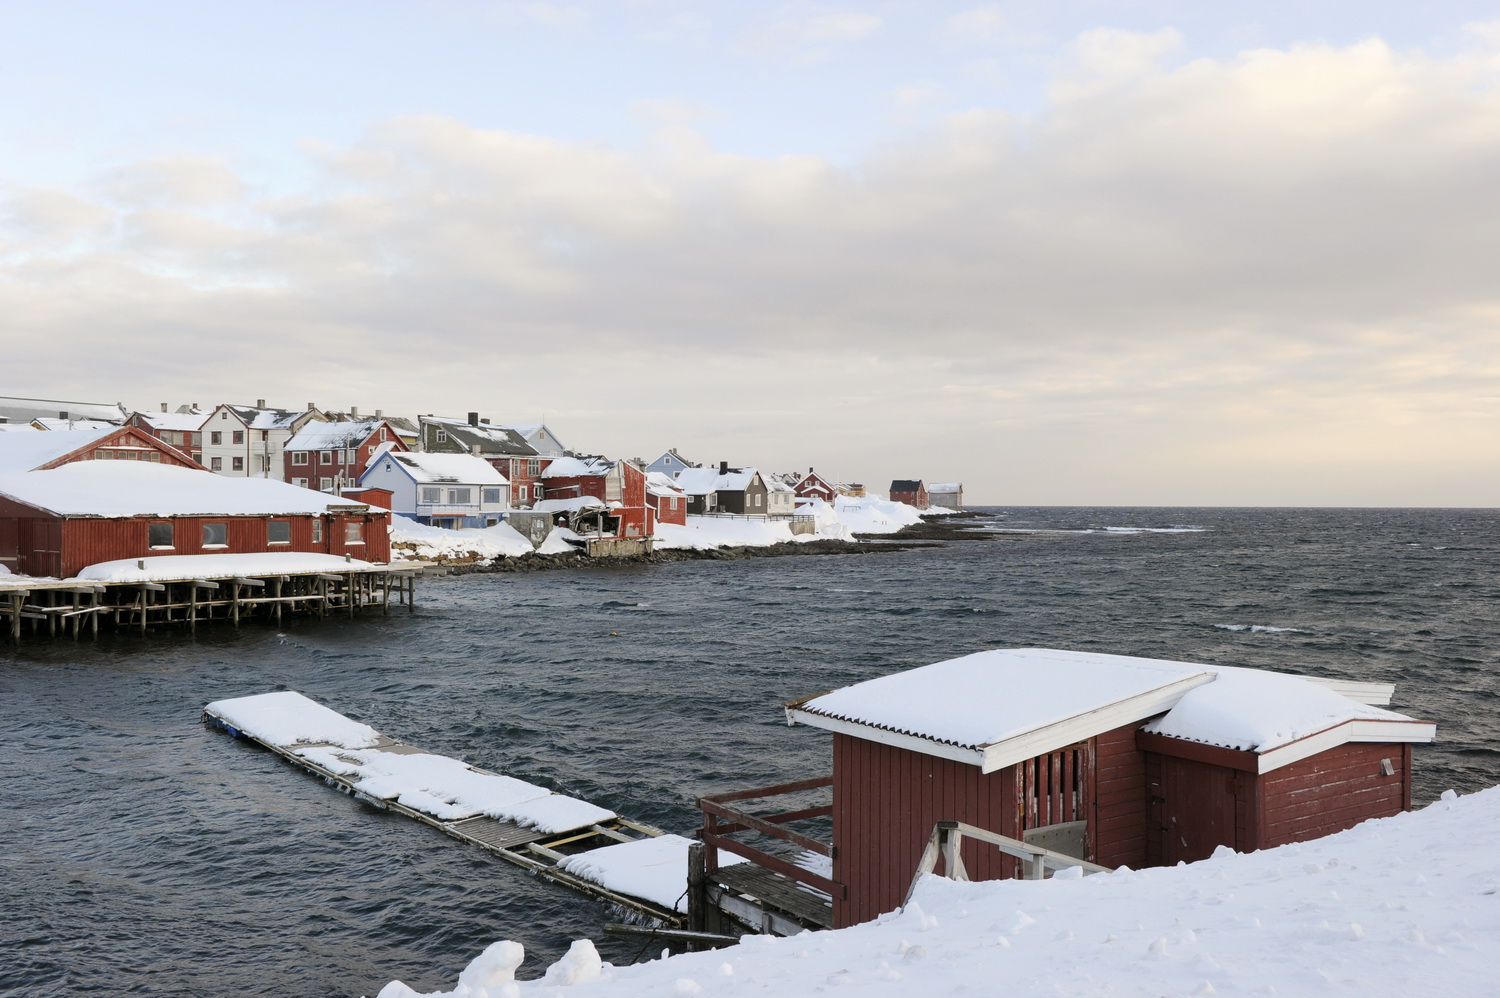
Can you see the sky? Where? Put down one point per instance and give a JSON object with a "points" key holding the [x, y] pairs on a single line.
{"points": [[1103, 253]]}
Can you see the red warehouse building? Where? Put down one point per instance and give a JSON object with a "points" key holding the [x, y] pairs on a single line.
{"points": [[910, 491], [1103, 758], [620, 485], [44, 449], [58, 522]]}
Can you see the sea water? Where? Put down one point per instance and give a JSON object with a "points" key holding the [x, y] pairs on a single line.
{"points": [[141, 853]]}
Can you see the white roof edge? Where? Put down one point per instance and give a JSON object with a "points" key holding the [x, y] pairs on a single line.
{"points": [[1354, 730], [885, 736], [1039, 741], [1370, 694]]}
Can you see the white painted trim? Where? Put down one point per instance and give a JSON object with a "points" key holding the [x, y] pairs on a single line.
{"points": [[1040, 741], [1370, 694], [1356, 730], [885, 736]]}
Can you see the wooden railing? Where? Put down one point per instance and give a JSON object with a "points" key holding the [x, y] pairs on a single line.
{"points": [[720, 821], [947, 842]]}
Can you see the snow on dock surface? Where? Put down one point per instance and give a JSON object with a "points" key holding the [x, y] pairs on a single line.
{"points": [[448, 789], [1399, 907], [654, 869]]}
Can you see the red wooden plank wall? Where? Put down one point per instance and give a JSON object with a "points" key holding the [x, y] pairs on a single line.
{"points": [[885, 802], [1117, 831], [1332, 791]]}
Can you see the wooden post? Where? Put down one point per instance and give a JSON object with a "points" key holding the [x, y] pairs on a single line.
{"points": [[16, 601], [349, 598], [697, 884], [145, 595], [234, 596], [277, 593], [193, 608]]}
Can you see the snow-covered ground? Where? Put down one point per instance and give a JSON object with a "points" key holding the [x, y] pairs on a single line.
{"points": [[839, 521], [1401, 907]]}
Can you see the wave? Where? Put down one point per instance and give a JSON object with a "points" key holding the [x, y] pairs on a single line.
{"points": [[1175, 529], [1260, 629]]}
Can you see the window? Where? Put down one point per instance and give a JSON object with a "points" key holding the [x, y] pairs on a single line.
{"points": [[382, 433], [301, 483], [279, 532], [215, 437], [152, 455], [536, 491], [216, 464], [354, 532], [442, 436], [215, 535], [325, 484], [491, 495], [350, 456], [299, 457], [265, 434], [238, 436], [325, 457], [317, 531], [159, 535], [239, 464], [459, 497], [432, 494], [223, 415], [521, 493]]}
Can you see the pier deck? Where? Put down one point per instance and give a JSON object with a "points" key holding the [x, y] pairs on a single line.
{"points": [[542, 846]]}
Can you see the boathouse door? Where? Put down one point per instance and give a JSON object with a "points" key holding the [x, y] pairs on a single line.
{"points": [[10, 543], [1197, 809], [1054, 802]]}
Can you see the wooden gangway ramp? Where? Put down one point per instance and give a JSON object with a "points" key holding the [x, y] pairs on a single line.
{"points": [[521, 823]]}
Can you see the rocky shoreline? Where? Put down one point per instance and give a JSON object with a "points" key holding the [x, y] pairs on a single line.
{"points": [[931, 532]]}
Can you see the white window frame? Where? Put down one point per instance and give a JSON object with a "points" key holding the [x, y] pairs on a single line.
{"points": [[215, 545], [299, 457], [432, 495], [325, 457]]}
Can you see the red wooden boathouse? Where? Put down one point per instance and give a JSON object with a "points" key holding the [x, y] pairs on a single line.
{"points": [[59, 521], [1109, 759]]}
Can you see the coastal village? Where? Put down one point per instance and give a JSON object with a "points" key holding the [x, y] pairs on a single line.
{"points": [[96, 492]]}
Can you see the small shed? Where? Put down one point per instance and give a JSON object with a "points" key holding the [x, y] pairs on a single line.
{"points": [[663, 495], [949, 495], [815, 486], [1111, 759], [910, 491]]}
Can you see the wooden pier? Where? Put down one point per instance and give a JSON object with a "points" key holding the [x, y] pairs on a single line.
{"points": [[539, 852], [73, 607]]}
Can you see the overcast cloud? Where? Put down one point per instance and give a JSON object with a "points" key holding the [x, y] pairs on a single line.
{"points": [[1261, 279]]}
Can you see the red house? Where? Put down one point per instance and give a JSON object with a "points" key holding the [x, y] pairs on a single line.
{"points": [[668, 501], [183, 430], [620, 485], [1108, 759], [329, 456], [60, 521], [815, 486], [910, 491]]}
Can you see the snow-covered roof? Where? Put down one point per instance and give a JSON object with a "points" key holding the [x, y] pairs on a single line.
{"points": [[946, 487], [44, 423], [177, 567], [775, 484], [25, 451], [183, 422], [490, 438], [996, 708], [659, 483], [737, 480], [333, 436], [27, 409], [424, 467], [571, 467], [257, 418], [144, 488], [574, 504], [697, 481]]}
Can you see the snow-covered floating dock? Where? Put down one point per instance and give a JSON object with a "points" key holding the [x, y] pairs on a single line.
{"points": [[571, 841]]}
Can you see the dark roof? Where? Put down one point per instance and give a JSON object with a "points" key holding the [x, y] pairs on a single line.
{"points": [[491, 439], [906, 485]]}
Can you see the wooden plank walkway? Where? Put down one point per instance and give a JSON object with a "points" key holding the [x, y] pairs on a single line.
{"points": [[539, 852], [779, 893]]}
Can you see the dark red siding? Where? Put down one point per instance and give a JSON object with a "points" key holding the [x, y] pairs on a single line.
{"points": [[1332, 791], [885, 802], [1117, 833]]}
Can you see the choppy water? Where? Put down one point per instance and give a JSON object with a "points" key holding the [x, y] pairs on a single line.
{"points": [[141, 853]]}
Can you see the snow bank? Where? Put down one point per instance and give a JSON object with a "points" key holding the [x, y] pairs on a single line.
{"points": [[874, 515], [1397, 906], [709, 533], [289, 718], [484, 545]]}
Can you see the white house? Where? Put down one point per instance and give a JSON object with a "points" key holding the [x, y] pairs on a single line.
{"points": [[442, 490], [247, 440]]}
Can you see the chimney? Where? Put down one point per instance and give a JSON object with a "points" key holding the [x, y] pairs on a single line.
{"points": [[311, 406], [63, 414], [354, 410], [379, 414], [260, 403], [809, 469], [723, 467], [475, 449], [486, 422], [473, 419], [164, 407]]}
